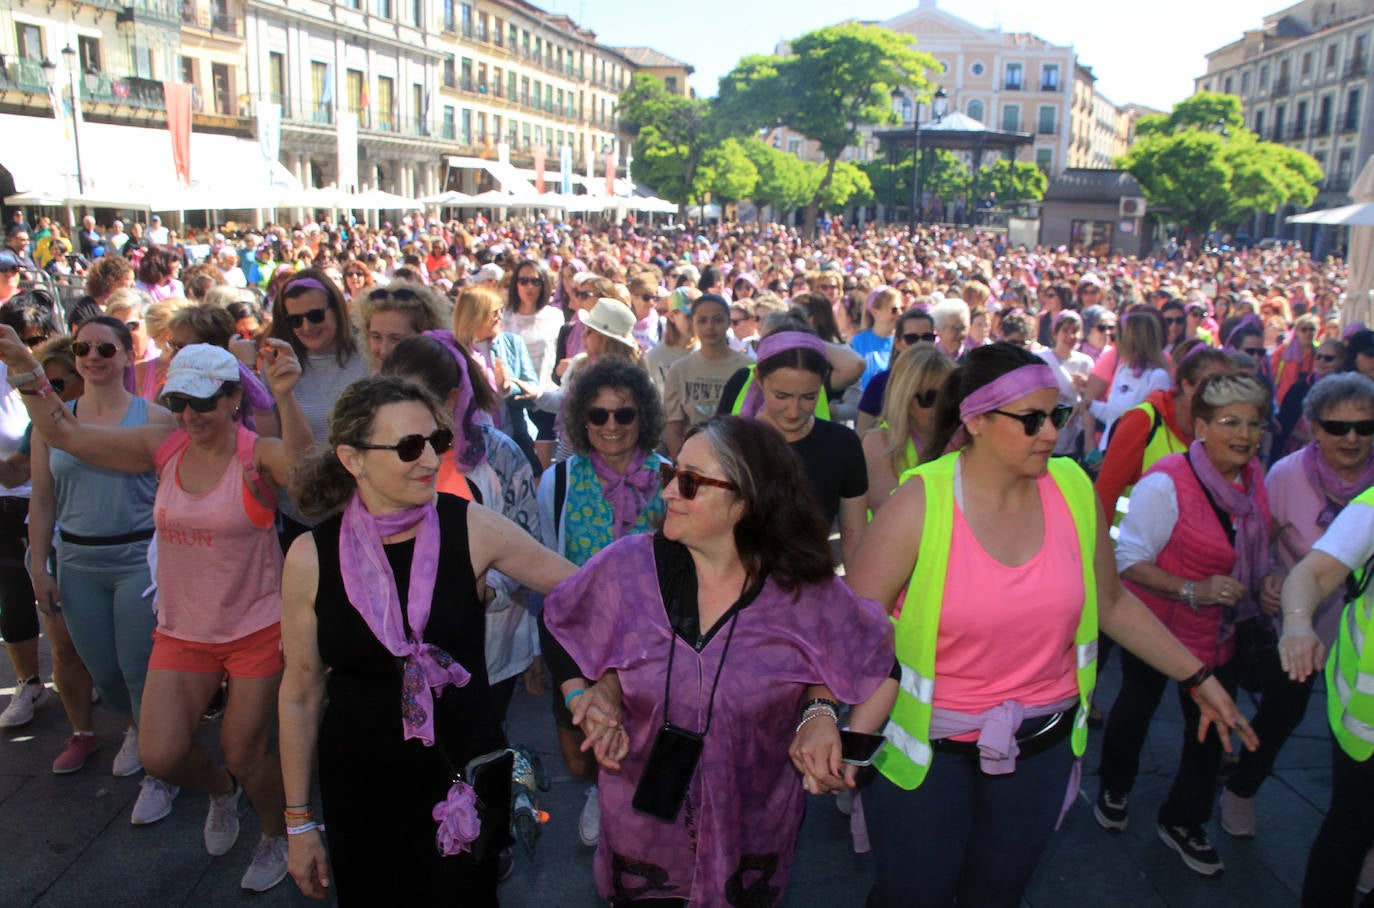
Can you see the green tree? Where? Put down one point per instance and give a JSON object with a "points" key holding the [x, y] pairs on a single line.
{"points": [[943, 176], [672, 134], [1011, 181], [848, 185], [836, 79], [1204, 165], [784, 181], [727, 173]]}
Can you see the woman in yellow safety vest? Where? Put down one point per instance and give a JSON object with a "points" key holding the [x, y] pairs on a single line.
{"points": [[1012, 548], [1342, 555], [908, 420]]}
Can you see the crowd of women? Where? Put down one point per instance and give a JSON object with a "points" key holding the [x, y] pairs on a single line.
{"points": [[420, 467]]}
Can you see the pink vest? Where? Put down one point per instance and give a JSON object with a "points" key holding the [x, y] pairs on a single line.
{"points": [[1198, 549]]}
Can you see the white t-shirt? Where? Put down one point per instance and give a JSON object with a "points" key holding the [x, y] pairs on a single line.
{"points": [[1147, 526], [1127, 390], [14, 419], [1350, 538], [1064, 370]]}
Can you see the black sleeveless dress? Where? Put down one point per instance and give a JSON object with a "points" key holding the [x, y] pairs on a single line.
{"points": [[379, 790]]}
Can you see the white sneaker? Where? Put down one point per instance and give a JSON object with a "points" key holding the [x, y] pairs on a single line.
{"points": [[268, 867], [154, 802], [589, 823], [126, 762], [222, 822], [27, 697]]}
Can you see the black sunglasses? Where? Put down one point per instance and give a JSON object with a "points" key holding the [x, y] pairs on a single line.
{"points": [[60, 384], [586, 294], [35, 341], [1034, 421], [180, 402], [1342, 427], [132, 326], [929, 337], [411, 447], [597, 416], [529, 281], [313, 316], [106, 349], [688, 483], [1328, 357], [925, 399], [1252, 351], [1177, 320]]}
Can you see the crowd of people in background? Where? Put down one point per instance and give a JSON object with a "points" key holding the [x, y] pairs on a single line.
{"points": [[719, 489]]}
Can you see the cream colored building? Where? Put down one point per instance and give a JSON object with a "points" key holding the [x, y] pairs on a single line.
{"points": [[1304, 78]]}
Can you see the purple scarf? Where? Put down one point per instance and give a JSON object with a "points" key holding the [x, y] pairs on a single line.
{"points": [[1249, 517], [628, 492], [1326, 482], [470, 446], [371, 587], [255, 395]]}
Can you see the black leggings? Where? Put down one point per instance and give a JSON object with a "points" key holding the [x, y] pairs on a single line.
{"points": [[18, 611], [1345, 836]]}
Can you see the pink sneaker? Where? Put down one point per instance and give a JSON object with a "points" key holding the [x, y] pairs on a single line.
{"points": [[78, 750]]}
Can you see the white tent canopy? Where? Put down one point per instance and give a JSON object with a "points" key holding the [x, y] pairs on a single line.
{"points": [[1359, 217], [1361, 214]]}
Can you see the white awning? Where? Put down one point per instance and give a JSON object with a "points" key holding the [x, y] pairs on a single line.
{"points": [[132, 166]]}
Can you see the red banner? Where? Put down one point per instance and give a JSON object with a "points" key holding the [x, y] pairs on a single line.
{"points": [[178, 96], [610, 173], [539, 169]]}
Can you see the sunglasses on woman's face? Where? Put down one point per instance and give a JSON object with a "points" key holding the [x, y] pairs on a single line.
{"points": [[1034, 421], [529, 281], [1328, 357], [1176, 320], [928, 337], [34, 341], [598, 416], [1342, 427], [925, 399], [179, 402], [586, 294], [106, 349], [313, 316], [60, 384], [409, 448], [688, 483]]}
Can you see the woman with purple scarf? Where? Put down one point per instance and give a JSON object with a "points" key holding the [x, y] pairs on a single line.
{"points": [[383, 612], [607, 490], [719, 628], [1195, 548], [1307, 489]]}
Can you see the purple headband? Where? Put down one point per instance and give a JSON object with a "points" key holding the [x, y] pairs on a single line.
{"points": [[769, 347], [307, 282], [1015, 385], [1062, 316], [470, 448]]}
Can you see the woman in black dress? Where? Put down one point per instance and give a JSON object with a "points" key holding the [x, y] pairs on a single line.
{"points": [[381, 778]]}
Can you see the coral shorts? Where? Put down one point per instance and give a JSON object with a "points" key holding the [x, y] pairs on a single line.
{"points": [[256, 656]]}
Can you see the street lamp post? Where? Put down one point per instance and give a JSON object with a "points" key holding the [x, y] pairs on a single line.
{"points": [[918, 180], [50, 71]]}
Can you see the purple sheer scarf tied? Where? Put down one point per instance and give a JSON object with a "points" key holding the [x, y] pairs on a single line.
{"points": [[628, 492], [770, 346], [1251, 523], [256, 396], [1336, 492], [1014, 385], [371, 587], [469, 445]]}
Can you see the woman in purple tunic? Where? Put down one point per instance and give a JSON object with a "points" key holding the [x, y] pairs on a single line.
{"points": [[719, 629]]}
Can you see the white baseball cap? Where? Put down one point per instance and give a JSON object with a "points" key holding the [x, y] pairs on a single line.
{"points": [[200, 370]]}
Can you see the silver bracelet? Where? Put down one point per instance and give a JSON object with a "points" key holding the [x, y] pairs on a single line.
{"points": [[813, 713], [23, 378], [1189, 594]]}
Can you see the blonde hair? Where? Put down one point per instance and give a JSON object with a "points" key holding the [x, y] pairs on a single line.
{"points": [[157, 318], [472, 310], [920, 367]]}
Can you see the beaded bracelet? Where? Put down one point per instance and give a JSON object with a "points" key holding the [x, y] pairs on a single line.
{"points": [[304, 828], [819, 710], [820, 701]]}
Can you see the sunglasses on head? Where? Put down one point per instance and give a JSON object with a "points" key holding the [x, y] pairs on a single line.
{"points": [[1342, 427], [409, 448], [313, 316], [928, 337], [925, 399], [598, 416], [1034, 421], [179, 402], [688, 483], [529, 281], [105, 349]]}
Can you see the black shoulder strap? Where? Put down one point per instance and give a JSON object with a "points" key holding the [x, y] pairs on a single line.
{"points": [[1356, 582], [560, 493], [1222, 517]]}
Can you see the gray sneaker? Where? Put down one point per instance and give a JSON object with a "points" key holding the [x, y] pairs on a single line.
{"points": [[27, 697], [222, 822], [589, 823], [154, 802], [1237, 814], [268, 867]]}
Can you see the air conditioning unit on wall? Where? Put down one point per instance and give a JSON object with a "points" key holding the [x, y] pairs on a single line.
{"points": [[1132, 207]]}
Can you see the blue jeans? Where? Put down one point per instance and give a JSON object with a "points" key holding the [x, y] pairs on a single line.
{"points": [[964, 837], [111, 624]]}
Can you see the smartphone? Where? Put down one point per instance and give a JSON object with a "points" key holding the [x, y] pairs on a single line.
{"points": [[668, 773], [859, 749]]}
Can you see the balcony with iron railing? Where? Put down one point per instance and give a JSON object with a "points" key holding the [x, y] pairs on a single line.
{"points": [[1356, 67], [151, 12], [24, 75], [1350, 122], [305, 110], [203, 18], [1321, 126], [1281, 85], [1046, 129], [1299, 131]]}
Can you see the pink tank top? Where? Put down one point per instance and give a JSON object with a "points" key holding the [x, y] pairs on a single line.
{"points": [[218, 567], [1006, 633]]}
